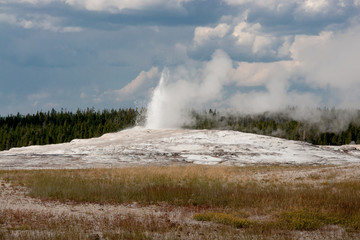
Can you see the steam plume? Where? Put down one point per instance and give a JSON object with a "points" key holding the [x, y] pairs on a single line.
{"points": [[313, 77], [178, 93]]}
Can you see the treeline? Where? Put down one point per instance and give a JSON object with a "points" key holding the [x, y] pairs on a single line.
{"points": [[322, 127], [58, 127], [325, 127]]}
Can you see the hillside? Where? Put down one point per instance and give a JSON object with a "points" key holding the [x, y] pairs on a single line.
{"points": [[140, 146]]}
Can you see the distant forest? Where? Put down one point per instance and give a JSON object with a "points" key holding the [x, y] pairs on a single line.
{"points": [[321, 126], [330, 127], [58, 127]]}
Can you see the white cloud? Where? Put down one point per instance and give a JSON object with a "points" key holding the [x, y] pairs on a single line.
{"points": [[7, 18], [262, 45], [274, 77], [71, 29], [325, 65], [136, 87], [327, 62], [245, 33], [329, 59], [251, 35], [32, 1], [299, 7], [112, 6], [270, 4], [240, 37], [284, 50], [50, 105], [116, 6], [258, 73], [203, 34], [135, 84], [314, 5], [44, 22], [37, 98]]}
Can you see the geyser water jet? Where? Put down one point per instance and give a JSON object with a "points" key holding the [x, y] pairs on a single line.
{"points": [[187, 90], [155, 118], [167, 108]]}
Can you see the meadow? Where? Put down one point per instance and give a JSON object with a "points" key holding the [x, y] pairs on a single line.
{"points": [[189, 202]]}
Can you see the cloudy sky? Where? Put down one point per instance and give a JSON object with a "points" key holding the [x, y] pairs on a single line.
{"points": [[248, 55]]}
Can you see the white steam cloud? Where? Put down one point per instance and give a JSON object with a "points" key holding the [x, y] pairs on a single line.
{"points": [[323, 71], [171, 99]]}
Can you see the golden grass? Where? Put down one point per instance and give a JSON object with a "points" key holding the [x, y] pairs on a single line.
{"points": [[33, 225], [228, 219], [25, 224], [220, 187], [292, 198]]}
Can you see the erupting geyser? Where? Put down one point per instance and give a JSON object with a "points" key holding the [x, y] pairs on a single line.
{"points": [[155, 118], [166, 108], [186, 90]]}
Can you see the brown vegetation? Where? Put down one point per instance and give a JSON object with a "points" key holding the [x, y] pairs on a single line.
{"points": [[191, 202]]}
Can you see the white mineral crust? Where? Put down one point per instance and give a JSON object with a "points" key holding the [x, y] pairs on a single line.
{"points": [[139, 146]]}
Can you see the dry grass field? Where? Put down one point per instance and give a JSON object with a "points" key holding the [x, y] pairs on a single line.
{"points": [[182, 202]]}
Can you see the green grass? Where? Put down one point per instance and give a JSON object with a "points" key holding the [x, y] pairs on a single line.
{"points": [[304, 220], [228, 219], [228, 196], [287, 220]]}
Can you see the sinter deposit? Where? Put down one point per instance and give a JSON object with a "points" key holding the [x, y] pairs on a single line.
{"points": [[140, 146]]}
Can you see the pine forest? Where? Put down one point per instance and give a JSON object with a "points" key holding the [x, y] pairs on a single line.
{"points": [[330, 127]]}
